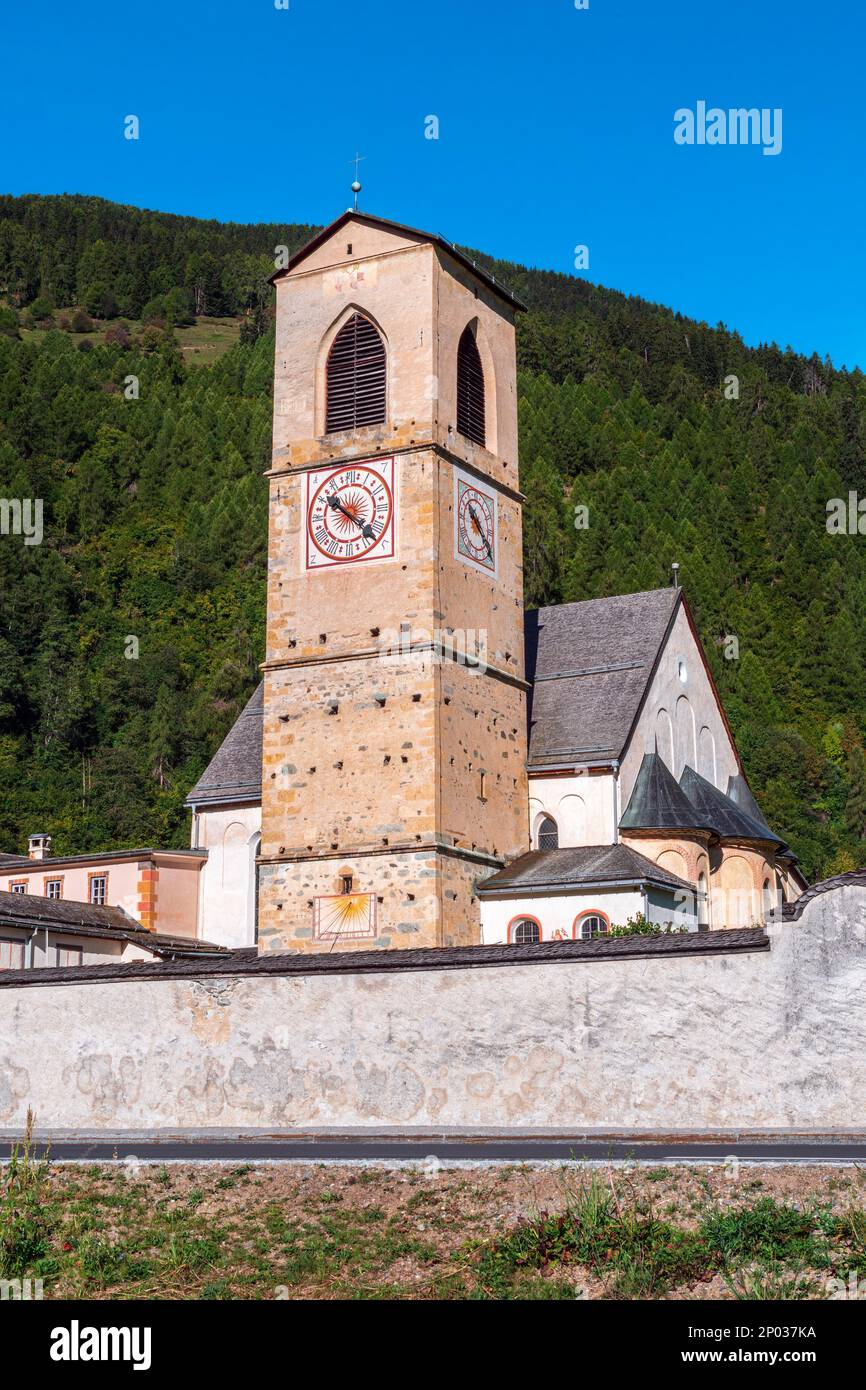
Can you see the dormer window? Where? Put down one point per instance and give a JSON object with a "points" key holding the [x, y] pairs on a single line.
{"points": [[355, 377], [470, 389]]}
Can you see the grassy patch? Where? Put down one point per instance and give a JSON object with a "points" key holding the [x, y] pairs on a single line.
{"points": [[201, 343], [643, 1255], [772, 1231], [175, 1233]]}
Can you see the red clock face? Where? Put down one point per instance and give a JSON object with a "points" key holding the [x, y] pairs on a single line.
{"points": [[475, 523], [350, 514]]}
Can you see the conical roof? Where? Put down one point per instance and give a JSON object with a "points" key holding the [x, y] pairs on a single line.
{"points": [[726, 817], [740, 793], [657, 801]]}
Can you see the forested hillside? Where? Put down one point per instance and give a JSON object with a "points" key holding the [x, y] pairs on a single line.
{"points": [[156, 517]]}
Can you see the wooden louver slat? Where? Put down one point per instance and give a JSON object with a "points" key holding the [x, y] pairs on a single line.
{"points": [[355, 377], [470, 389]]}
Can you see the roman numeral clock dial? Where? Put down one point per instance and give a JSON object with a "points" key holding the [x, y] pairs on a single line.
{"points": [[475, 523], [350, 514]]}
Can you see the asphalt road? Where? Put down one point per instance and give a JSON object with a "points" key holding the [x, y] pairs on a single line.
{"points": [[446, 1150]]}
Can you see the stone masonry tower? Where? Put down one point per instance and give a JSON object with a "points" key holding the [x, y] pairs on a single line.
{"points": [[395, 699]]}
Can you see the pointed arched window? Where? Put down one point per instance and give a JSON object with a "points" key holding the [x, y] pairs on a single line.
{"points": [[355, 377], [470, 389]]}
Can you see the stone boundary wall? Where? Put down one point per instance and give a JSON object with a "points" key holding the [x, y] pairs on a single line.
{"points": [[746, 1030]]}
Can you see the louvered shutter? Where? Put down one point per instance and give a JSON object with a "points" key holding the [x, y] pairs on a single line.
{"points": [[356, 377], [470, 389]]}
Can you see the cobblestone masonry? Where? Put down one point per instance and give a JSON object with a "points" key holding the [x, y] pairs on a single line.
{"points": [[385, 762]]}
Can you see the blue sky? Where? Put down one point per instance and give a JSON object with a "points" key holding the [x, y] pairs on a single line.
{"points": [[555, 129]]}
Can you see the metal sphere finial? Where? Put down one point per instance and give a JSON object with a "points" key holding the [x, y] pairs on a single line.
{"points": [[356, 186]]}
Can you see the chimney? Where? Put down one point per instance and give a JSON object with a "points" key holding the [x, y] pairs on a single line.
{"points": [[39, 846]]}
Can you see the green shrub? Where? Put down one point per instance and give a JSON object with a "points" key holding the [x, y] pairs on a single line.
{"points": [[769, 1230], [639, 926], [26, 1220]]}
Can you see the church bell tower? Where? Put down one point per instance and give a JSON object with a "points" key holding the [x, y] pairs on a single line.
{"points": [[395, 699]]}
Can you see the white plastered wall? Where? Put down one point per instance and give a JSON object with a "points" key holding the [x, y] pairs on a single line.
{"points": [[556, 914], [681, 717], [231, 836], [581, 805]]}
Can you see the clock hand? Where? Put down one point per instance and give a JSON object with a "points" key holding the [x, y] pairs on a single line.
{"points": [[365, 528], [479, 529]]}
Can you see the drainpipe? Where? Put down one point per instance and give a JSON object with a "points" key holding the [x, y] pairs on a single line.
{"points": [[616, 802], [28, 949]]}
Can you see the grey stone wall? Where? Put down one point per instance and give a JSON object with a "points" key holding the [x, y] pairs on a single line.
{"points": [[759, 1040]]}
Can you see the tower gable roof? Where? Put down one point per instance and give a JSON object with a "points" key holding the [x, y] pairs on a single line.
{"points": [[413, 233]]}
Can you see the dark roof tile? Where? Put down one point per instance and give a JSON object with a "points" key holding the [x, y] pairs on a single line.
{"points": [[725, 817], [235, 771], [580, 867], [29, 909], [236, 963], [854, 878], [658, 802], [590, 664]]}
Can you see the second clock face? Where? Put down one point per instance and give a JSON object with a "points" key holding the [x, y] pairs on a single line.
{"points": [[350, 514], [475, 523]]}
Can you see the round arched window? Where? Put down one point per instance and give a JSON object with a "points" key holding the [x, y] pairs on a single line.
{"points": [[591, 924], [548, 834], [524, 932]]}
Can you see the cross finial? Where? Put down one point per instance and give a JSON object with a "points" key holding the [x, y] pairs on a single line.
{"points": [[356, 186]]}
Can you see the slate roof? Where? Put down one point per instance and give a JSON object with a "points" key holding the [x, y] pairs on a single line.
{"points": [[721, 813], [740, 793], [585, 866], [589, 665], [87, 919], [102, 856], [854, 878], [731, 941], [234, 773], [658, 802], [30, 909]]}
